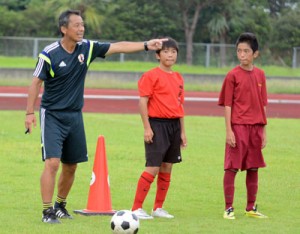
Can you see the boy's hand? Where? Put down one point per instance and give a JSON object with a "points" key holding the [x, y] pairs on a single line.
{"points": [[183, 141], [264, 139], [148, 136], [230, 139]]}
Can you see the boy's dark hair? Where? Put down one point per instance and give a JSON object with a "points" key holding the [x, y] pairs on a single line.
{"points": [[170, 43], [64, 18], [248, 38]]}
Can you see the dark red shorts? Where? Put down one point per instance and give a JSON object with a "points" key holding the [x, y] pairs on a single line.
{"points": [[247, 153]]}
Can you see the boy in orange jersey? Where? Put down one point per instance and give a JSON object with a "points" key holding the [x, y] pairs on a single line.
{"points": [[161, 109], [244, 96]]}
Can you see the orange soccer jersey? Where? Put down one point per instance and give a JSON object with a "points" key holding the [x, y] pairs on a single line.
{"points": [[165, 92]]}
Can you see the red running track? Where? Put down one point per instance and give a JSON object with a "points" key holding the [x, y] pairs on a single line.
{"points": [[126, 101]]}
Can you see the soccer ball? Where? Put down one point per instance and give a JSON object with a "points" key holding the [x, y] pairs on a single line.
{"points": [[124, 222]]}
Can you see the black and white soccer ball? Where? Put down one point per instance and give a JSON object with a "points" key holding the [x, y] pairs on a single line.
{"points": [[124, 222]]}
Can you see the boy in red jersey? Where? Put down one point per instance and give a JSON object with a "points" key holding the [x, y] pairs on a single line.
{"points": [[161, 109], [244, 96]]}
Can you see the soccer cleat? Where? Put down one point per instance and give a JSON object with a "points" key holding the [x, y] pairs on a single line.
{"points": [[141, 214], [229, 214], [255, 214], [49, 216], [61, 211], [161, 213]]}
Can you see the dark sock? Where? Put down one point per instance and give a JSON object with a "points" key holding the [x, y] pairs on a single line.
{"points": [[252, 187], [58, 201], [228, 186], [47, 205]]}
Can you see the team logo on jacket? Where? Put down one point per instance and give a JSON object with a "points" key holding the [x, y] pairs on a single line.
{"points": [[81, 58]]}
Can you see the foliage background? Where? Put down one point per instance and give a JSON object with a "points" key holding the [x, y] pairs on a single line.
{"points": [[208, 21]]}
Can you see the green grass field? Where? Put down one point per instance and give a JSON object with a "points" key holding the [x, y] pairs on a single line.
{"points": [[195, 196], [107, 65], [291, 86]]}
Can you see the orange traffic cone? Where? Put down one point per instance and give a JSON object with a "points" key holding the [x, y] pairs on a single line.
{"points": [[99, 201]]}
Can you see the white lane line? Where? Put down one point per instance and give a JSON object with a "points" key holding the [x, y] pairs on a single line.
{"points": [[13, 95], [128, 97]]}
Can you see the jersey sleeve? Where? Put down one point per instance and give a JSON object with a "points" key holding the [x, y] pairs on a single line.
{"points": [[146, 85], [42, 69], [264, 91], [99, 49], [182, 93], [226, 94]]}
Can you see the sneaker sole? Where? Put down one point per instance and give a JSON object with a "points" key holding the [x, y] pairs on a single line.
{"points": [[165, 217], [257, 216], [229, 217], [51, 222], [65, 217], [142, 217]]}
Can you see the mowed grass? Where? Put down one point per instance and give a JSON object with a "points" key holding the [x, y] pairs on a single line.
{"points": [[285, 85], [195, 196], [129, 66]]}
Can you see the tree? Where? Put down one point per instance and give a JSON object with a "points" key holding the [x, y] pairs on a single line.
{"points": [[275, 22], [249, 18], [11, 22], [140, 21], [12, 5], [286, 36], [277, 6], [90, 10], [218, 28], [40, 20], [218, 25], [190, 13]]}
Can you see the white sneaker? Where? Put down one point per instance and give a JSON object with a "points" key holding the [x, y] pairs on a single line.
{"points": [[161, 213], [141, 214]]}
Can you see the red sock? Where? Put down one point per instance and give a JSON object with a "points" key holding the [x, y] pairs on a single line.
{"points": [[163, 183], [142, 190], [252, 187], [228, 186]]}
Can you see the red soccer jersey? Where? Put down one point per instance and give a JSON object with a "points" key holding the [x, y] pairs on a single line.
{"points": [[246, 93], [165, 92]]}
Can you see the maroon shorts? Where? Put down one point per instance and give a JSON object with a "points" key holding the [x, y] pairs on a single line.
{"points": [[247, 153]]}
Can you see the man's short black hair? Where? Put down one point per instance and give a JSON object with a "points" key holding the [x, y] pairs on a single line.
{"points": [[170, 43], [65, 16], [248, 38]]}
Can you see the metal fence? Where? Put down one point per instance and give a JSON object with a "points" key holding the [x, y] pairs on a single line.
{"points": [[204, 54], [296, 57]]}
